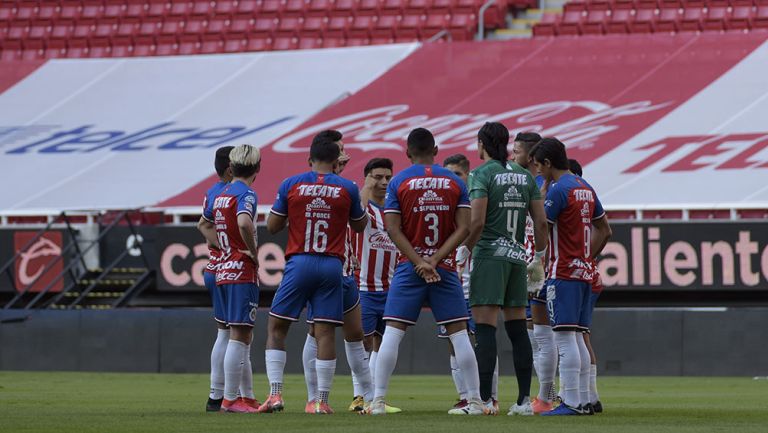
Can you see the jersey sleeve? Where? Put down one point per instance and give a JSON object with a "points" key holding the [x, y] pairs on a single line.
{"points": [[556, 201], [534, 188], [356, 211], [207, 209], [599, 212], [246, 203], [478, 188], [463, 195], [281, 201], [391, 201]]}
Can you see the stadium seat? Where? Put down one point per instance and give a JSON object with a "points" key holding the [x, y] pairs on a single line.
{"points": [[361, 26], [195, 25], [246, 8], [547, 26], [217, 25], [385, 26], [333, 42], [189, 45], [201, 9], [6, 13], [760, 18], [179, 9], [463, 26], [134, 10], [392, 7], [646, 4], [143, 50], [69, 12], [569, 25], [264, 26], [466, 6], [40, 30], [434, 24], [409, 27], [55, 48], [740, 18], [157, 9], [642, 21], [47, 12], [693, 4], [312, 28], [26, 11], [440, 6], [692, 19], [318, 8], [310, 43], [599, 5], [256, 43], [417, 7], [172, 26], [127, 28], [622, 5], [358, 42], [718, 3], [293, 8], [224, 8], [240, 24], [289, 26], [77, 48], [594, 24], [618, 23], [336, 27], [367, 7], [285, 43], [342, 8], [11, 51], [575, 6], [670, 4], [716, 19], [667, 20], [211, 44]]}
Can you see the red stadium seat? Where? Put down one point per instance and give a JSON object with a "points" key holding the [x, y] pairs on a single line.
{"points": [[217, 25], [671, 4], [69, 12], [46, 12], [83, 28], [189, 45], [643, 21], [143, 50], [333, 42], [6, 13], [294, 8], [623, 4], [599, 5], [246, 8], [740, 18], [692, 19], [367, 7], [157, 9], [619, 21], [92, 11], [575, 6], [440, 6], [467, 6], [211, 44], [547, 26], [342, 8], [310, 43], [55, 48], [417, 7], [195, 25], [11, 51], [26, 11], [646, 4], [392, 7], [166, 49], [319, 8], [265, 27], [718, 3], [40, 30], [122, 50], [691, 4], [385, 26], [77, 48], [409, 27], [235, 43], [225, 8], [147, 27], [760, 18], [434, 24], [569, 25], [716, 19], [285, 43], [667, 20], [361, 26], [358, 42], [336, 27], [18, 30], [594, 23], [270, 8], [127, 28], [172, 26], [289, 26], [382, 41], [463, 26], [201, 8], [134, 10], [180, 9], [313, 27], [240, 24], [256, 43]]}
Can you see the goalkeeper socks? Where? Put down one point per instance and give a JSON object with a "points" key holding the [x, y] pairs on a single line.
{"points": [[275, 363], [387, 359], [485, 351], [465, 358], [308, 356], [358, 363], [246, 380], [522, 355], [233, 368], [458, 379], [325, 370], [217, 364]]}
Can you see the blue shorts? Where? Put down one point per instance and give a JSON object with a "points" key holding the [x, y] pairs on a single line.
{"points": [[568, 304], [592, 302], [408, 291], [314, 280], [351, 297], [242, 303], [372, 309], [443, 333], [217, 297]]}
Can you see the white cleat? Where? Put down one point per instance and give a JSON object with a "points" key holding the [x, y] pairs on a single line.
{"points": [[378, 407], [475, 407], [524, 409]]}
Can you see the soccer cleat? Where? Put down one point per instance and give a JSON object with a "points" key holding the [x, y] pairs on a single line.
{"points": [[252, 402], [391, 409], [561, 410], [322, 408], [357, 404], [272, 404], [474, 407], [597, 406], [587, 409], [524, 409], [378, 407], [236, 406], [491, 407], [310, 407], [541, 406], [213, 405], [460, 404]]}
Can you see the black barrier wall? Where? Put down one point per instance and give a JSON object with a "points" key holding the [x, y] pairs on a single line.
{"points": [[671, 342]]}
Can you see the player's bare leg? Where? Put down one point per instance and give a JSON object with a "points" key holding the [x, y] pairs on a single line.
{"points": [[357, 356], [274, 356], [325, 334]]}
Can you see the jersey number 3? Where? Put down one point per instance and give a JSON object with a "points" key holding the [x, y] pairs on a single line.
{"points": [[431, 240]]}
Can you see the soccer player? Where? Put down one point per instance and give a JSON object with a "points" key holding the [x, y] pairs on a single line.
{"points": [[459, 165], [377, 256], [501, 200], [234, 210], [427, 216], [206, 227], [316, 206], [573, 210]]}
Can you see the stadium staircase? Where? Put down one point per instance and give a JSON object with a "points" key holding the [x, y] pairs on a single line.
{"points": [[81, 288]]}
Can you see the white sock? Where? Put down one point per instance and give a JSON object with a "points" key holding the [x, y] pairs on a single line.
{"points": [[308, 356], [547, 360], [458, 380], [233, 368], [325, 370], [387, 359], [594, 397], [467, 362], [246, 380], [535, 348], [495, 383], [217, 363], [358, 363], [275, 363], [570, 366], [584, 371], [372, 367]]}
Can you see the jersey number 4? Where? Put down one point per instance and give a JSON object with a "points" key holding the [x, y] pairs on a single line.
{"points": [[316, 236]]}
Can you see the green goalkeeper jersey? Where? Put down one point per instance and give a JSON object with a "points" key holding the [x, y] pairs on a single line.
{"points": [[509, 190]]}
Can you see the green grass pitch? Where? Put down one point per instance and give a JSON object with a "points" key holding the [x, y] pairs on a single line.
{"points": [[110, 402]]}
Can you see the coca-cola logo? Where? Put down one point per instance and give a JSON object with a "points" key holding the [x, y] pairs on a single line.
{"points": [[578, 123], [31, 263]]}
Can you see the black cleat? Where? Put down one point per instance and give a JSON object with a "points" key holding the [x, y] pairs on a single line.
{"points": [[213, 405], [588, 409], [598, 407]]}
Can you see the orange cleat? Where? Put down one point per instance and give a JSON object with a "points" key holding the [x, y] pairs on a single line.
{"points": [[540, 406], [322, 408], [272, 404], [252, 402], [236, 406], [310, 407]]}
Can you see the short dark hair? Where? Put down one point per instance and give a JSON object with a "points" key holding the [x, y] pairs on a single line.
{"points": [[552, 149], [421, 142], [377, 163], [221, 162], [527, 139], [494, 138], [324, 146], [575, 167], [457, 159]]}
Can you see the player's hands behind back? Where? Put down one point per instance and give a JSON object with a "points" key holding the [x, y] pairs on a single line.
{"points": [[427, 270]]}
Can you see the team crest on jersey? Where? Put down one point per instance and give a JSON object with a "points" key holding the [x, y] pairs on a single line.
{"points": [[429, 197], [318, 204], [585, 212], [250, 199]]}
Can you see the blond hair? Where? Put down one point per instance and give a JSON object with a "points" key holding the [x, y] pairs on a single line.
{"points": [[245, 155]]}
